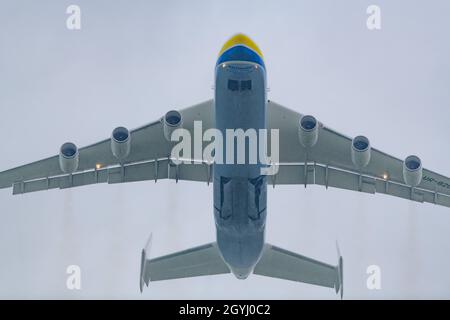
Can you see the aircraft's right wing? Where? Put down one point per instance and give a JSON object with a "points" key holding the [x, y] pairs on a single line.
{"points": [[149, 159]]}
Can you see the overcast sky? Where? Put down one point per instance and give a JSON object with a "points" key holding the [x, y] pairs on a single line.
{"points": [[134, 60]]}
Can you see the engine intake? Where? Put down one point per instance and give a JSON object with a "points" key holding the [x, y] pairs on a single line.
{"points": [[308, 132], [172, 120], [120, 143], [412, 170], [360, 151], [68, 157]]}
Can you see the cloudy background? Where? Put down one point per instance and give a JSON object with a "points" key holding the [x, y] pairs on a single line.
{"points": [[134, 60]]}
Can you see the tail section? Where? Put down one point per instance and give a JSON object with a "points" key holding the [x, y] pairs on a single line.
{"points": [[206, 260], [199, 261], [279, 263]]}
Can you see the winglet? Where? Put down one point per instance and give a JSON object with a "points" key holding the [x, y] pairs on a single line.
{"points": [[340, 273], [144, 255]]}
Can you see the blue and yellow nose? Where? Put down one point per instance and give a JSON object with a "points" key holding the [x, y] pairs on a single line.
{"points": [[240, 48]]}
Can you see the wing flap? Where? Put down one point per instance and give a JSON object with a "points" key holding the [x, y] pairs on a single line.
{"points": [[142, 171], [61, 182], [349, 180]]}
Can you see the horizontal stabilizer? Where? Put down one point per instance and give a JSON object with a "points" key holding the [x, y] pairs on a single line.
{"points": [[199, 261], [279, 263]]}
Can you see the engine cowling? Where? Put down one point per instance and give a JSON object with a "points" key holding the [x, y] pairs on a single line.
{"points": [[308, 131], [172, 121], [412, 170], [361, 151], [68, 157], [120, 142]]}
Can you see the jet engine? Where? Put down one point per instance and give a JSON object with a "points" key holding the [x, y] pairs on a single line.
{"points": [[360, 151], [120, 143], [172, 120], [308, 131], [412, 171], [68, 157]]}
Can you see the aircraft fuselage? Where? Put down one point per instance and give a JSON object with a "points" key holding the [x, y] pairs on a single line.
{"points": [[240, 191]]}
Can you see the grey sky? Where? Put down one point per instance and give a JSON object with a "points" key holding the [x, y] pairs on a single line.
{"points": [[134, 60]]}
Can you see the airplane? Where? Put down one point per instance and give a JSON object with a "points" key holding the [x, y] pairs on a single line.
{"points": [[309, 153]]}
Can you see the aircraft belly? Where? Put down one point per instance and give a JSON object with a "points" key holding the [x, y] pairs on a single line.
{"points": [[240, 191]]}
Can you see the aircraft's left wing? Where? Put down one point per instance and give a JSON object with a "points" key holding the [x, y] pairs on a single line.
{"points": [[329, 162], [148, 159]]}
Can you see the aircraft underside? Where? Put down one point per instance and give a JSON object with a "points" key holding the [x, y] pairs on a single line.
{"points": [[300, 151]]}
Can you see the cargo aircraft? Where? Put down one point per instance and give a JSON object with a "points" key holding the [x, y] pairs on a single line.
{"points": [[309, 153]]}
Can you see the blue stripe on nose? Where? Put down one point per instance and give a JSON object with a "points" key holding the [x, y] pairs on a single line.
{"points": [[240, 53]]}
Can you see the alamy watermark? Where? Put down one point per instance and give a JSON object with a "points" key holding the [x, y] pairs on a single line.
{"points": [[374, 280], [237, 143], [73, 22], [73, 281], [373, 21]]}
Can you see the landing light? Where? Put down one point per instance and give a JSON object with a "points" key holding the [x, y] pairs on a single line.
{"points": [[98, 166], [385, 176], [224, 65]]}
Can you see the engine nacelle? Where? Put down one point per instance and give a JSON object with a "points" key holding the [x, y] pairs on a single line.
{"points": [[308, 131], [360, 151], [120, 143], [68, 157], [412, 171], [172, 120]]}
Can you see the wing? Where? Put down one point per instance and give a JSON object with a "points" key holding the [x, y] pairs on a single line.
{"points": [[149, 159], [329, 163]]}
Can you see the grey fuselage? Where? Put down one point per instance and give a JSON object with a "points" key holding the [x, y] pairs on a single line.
{"points": [[240, 190]]}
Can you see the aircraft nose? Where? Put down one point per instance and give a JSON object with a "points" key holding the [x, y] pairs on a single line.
{"points": [[240, 48], [243, 40], [240, 38]]}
